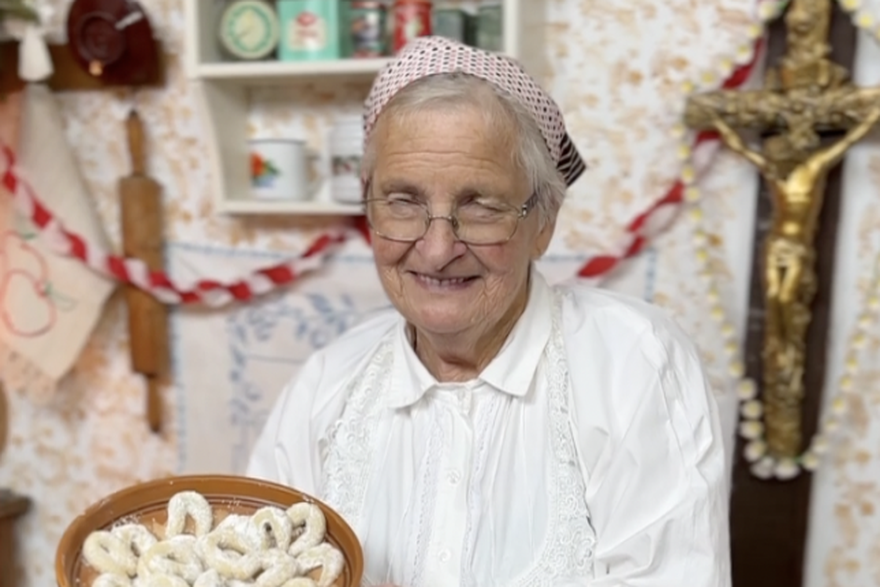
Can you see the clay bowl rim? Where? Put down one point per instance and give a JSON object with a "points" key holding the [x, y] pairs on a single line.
{"points": [[345, 533]]}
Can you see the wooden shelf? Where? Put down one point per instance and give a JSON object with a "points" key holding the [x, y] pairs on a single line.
{"points": [[66, 76], [223, 89], [274, 207], [288, 72]]}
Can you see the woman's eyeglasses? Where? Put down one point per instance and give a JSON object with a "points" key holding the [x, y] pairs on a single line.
{"points": [[473, 223]]}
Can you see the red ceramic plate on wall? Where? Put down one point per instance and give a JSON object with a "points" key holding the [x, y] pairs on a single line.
{"points": [[147, 503]]}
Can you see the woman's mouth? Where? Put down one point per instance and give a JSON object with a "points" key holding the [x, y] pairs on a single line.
{"points": [[442, 283]]}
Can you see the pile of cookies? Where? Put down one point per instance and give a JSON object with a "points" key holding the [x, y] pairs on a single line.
{"points": [[272, 547]]}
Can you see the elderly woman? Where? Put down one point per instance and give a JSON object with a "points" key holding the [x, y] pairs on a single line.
{"points": [[494, 430]]}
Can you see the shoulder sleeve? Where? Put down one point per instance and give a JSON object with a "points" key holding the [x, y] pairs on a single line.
{"points": [[651, 445], [290, 448], [286, 451]]}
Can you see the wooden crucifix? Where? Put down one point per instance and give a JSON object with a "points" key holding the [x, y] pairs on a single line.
{"points": [[805, 95]]}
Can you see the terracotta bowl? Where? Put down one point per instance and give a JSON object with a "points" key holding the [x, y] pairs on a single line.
{"points": [[146, 504]]}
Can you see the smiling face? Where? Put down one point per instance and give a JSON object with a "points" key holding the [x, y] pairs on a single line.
{"points": [[444, 158]]}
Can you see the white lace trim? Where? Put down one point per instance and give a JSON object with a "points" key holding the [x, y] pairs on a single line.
{"points": [[570, 537], [350, 445]]}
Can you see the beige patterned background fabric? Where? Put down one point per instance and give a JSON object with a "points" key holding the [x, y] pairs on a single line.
{"points": [[617, 70], [844, 533]]}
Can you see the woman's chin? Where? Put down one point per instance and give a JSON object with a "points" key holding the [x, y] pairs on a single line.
{"points": [[437, 321]]}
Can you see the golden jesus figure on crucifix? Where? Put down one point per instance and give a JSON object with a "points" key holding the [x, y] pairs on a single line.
{"points": [[797, 187], [805, 94]]}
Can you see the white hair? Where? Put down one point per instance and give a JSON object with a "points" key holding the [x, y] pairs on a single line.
{"points": [[530, 152]]}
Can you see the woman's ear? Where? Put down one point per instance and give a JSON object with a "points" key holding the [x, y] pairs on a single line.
{"points": [[542, 240]]}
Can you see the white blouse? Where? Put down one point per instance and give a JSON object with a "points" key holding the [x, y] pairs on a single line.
{"points": [[588, 452]]}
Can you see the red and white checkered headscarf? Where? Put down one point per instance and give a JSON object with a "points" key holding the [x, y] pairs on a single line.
{"points": [[427, 56]]}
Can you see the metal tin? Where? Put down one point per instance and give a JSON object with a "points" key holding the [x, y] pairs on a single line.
{"points": [[451, 23], [490, 27], [312, 30], [366, 25], [412, 19]]}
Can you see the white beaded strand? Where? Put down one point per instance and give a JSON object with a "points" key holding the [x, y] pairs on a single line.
{"points": [[751, 409], [862, 17], [765, 12]]}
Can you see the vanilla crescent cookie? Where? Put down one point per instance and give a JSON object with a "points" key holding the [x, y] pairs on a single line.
{"points": [[161, 581], [136, 537], [274, 526], [210, 578], [230, 554], [111, 580], [245, 527], [310, 518], [300, 582], [325, 556], [109, 554], [175, 557], [188, 504], [278, 568]]}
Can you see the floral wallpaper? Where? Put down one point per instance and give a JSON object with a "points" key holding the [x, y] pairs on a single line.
{"points": [[619, 71], [844, 534]]}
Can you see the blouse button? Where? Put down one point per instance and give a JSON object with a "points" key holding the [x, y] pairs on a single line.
{"points": [[444, 555], [454, 477], [588, 552]]}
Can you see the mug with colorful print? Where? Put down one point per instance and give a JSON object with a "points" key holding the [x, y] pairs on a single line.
{"points": [[283, 169]]}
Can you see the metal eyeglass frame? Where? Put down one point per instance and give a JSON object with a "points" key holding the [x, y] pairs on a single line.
{"points": [[524, 210]]}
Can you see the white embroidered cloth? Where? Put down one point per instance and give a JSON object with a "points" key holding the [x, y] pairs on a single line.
{"points": [[50, 304], [482, 483]]}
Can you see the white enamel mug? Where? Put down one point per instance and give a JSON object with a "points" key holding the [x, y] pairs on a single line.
{"points": [[346, 144], [281, 169]]}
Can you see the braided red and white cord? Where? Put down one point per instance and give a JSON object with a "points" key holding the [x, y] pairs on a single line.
{"points": [[650, 223], [133, 271], [215, 293]]}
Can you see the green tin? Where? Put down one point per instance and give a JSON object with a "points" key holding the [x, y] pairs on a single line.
{"points": [[490, 27], [313, 30], [453, 23]]}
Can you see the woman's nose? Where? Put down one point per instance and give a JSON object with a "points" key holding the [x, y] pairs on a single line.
{"points": [[440, 245]]}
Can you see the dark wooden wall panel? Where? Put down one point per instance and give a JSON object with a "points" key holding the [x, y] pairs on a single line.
{"points": [[769, 522]]}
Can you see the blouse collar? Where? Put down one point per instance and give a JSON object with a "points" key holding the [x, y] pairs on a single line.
{"points": [[512, 369]]}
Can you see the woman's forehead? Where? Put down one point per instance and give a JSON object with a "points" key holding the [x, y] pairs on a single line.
{"points": [[447, 134], [441, 120], [454, 153], [454, 162]]}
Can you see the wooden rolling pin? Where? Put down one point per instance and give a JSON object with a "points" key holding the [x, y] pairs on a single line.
{"points": [[4, 419], [141, 210]]}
